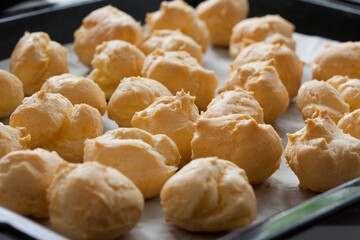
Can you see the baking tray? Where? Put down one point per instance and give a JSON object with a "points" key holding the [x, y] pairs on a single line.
{"points": [[309, 16]]}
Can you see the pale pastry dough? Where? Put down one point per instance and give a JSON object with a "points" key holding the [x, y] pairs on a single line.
{"points": [[132, 95], [11, 93], [287, 63], [113, 61], [349, 90], [350, 123], [54, 124], [12, 139], [174, 116], [221, 16], [269, 28], [35, 59], [179, 15], [148, 160], [254, 147], [209, 195], [77, 90], [92, 201], [177, 70], [169, 40], [262, 79], [105, 24], [338, 59], [319, 95], [235, 101], [25, 176], [322, 156]]}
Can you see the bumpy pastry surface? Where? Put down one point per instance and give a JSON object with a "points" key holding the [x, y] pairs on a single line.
{"points": [[12, 139], [55, 124], [177, 71], [92, 201], [168, 17], [221, 16], [148, 160], [287, 63], [350, 123], [261, 78], [132, 95], [322, 156], [270, 28], [105, 24], [254, 147], [349, 90], [338, 59], [170, 40], [319, 95], [78, 90], [174, 116], [209, 195], [11, 93], [235, 101], [25, 176], [113, 61], [35, 59]]}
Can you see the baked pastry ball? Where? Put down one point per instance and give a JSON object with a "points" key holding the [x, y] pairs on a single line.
{"points": [[322, 156], [77, 90], [11, 93], [174, 116], [168, 17], [25, 176], [35, 59], [221, 16], [113, 61], [235, 101], [55, 124], [338, 59], [209, 195], [261, 78], [349, 90], [92, 201], [147, 160], [12, 139], [170, 40], [287, 63], [270, 28], [350, 123], [105, 24], [254, 147], [319, 95], [177, 70], [132, 95]]}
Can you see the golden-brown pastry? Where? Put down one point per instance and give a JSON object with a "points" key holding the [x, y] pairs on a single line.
{"points": [[338, 59], [269, 28], [350, 123], [349, 90], [132, 95], [235, 101], [254, 147], [221, 16], [11, 93], [319, 95], [209, 195], [92, 201], [287, 63], [113, 61], [12, 139], [54, 124], [174, 116], [35, 59], [25, 176], [148, 160], [179, 15], [105, 24], [178, 70], [322, 156], [77, 90], [261, 78]]}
